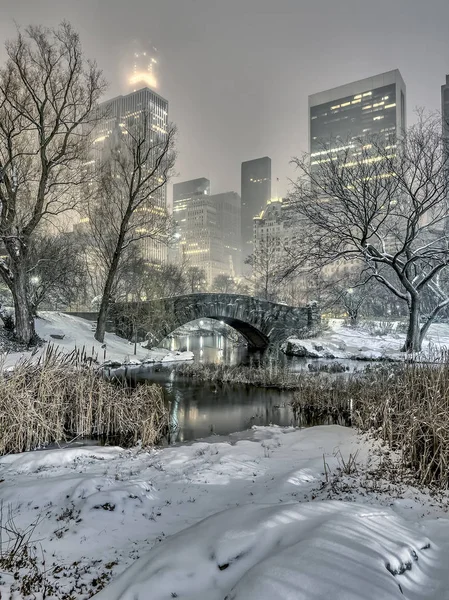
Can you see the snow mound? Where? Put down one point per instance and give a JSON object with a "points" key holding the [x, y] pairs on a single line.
{"points": [[313, 550], [31, 462]]}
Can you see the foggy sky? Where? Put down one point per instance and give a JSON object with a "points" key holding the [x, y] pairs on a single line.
{"points": [[237, 73]]}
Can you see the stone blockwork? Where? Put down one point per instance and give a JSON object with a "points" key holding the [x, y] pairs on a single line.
{"points": [[259, 321]]}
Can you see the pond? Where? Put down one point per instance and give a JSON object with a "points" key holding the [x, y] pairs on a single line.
{"points": [[199, 409]]}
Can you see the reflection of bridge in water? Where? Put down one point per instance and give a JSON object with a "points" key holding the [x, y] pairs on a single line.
{"points": [[260, 322]]}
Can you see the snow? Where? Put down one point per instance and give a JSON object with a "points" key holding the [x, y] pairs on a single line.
{"points": [[79, 333], [349, 342], [250, 517]]}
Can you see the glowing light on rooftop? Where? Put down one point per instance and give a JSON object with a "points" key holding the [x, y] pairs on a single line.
{"points": [[146, 78]]}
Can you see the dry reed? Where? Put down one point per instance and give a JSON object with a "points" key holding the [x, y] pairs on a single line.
{"points": [[269, 376], [61, 397], [406, 406]]}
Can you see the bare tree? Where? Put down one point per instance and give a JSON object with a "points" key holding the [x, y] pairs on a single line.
{"points": [[196, 279], [126, 209], [47, 91], [265, 263], [56, 270], [383, 207], [223, 284]]}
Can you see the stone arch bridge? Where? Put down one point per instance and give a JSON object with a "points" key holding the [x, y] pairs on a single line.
{"points": [[260, 322]]}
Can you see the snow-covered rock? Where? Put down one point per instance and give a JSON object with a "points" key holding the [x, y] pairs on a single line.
{"points": [[306, 349]]}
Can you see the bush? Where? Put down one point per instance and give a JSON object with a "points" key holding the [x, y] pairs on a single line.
{"points": [[61, 397]]}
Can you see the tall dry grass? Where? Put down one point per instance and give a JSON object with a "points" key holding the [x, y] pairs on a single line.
{"points": [[271, 375], [61, 397], [406, 406]]}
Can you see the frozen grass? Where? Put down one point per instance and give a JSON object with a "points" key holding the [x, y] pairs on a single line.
{"points": [[62, 397]]}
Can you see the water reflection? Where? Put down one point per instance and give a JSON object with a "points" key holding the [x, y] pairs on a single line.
{"points": [[198, 410], [214, 348], [201, 410]]}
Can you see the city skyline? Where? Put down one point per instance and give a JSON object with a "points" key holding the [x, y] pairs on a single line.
{"points": [[258, 103]]}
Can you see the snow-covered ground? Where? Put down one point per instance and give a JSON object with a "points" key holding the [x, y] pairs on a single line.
{"points": [[294, 526], [347, 342], [79, 333]]}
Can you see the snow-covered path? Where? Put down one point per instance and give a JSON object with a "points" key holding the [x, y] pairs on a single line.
{"points": [[104, 508]]}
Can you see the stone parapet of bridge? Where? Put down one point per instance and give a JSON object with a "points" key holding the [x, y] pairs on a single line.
{"points": [[261, 322]]}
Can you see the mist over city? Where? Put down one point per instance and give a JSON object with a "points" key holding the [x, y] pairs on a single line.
{"points": [[224, 300]]}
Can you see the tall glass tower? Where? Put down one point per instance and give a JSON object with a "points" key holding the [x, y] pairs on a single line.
{"points": [[372, 106], [255, 194], [127, 111]]}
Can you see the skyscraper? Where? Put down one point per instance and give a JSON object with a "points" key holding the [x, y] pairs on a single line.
{"points": [[445, 111], [183, 193], [228, 207], [372, 106], [256, 192], [126, 111]]}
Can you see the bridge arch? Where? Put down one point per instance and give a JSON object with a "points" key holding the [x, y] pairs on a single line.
{"points": [[259, 321]]}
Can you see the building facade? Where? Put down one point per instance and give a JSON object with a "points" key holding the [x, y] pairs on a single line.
{"points": [[270, 227], [445, 112], [151, 110], [207, 229], [339, 116], [183, 193], [228, 207], [255, 193]]}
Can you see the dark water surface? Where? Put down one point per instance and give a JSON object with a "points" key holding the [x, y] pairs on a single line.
{"points": [[201, 409]]}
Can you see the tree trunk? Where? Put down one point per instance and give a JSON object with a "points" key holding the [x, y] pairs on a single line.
{"points": [[413, 339], [105, 299], [24, 321], [424, 330]]}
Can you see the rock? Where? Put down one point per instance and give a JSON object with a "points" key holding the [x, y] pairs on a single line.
{"points": [[300, 348], [111, 364]]}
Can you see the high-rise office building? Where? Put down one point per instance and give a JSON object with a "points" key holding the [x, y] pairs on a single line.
{"points": [[255, 193], [151, 110], [445, 111], [372, 106], [207, 228], [184, 192], [228, 207]]}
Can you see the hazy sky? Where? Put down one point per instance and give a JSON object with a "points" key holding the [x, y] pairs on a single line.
{"points": [[237, 73]]}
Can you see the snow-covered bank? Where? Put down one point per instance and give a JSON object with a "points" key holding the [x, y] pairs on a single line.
{"points": [[73, 332], [102, 509], [342, 342]]}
